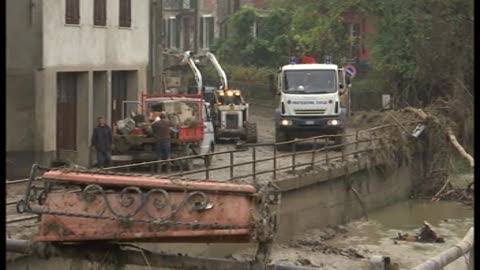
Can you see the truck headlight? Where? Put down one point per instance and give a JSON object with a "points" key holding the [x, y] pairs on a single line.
{"points": [[333, 122], [286, 122]]}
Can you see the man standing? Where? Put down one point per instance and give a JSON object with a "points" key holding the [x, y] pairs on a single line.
{"points": [[161, 131], [102, 141]]}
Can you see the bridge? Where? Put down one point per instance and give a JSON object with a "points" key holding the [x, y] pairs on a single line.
{"points": [[341, 182]]}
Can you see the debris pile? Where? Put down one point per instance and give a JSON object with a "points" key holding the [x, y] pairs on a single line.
{"points": [[436, 143], [450, 193], [427, 235]]}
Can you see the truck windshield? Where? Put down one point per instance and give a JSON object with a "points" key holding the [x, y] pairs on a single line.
{"points": [[310, 81]]}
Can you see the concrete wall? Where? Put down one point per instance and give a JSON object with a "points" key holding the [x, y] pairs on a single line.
{"points": [[23, 56], [95, 46], [330, 202]]}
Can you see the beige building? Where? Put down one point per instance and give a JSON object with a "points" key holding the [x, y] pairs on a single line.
{"points": [[193, 25], [69, 61]]}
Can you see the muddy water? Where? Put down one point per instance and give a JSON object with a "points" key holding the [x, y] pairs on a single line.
{"points": [[451, 220]]}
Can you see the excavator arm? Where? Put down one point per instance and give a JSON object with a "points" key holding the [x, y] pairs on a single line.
{"points": [[188, 57], [221, 73]]}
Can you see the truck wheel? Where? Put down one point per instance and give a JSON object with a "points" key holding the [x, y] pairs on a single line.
{"points": [[281, 136], [251, 132], [187, 164]]}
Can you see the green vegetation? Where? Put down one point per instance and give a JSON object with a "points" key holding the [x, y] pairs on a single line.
{"points": [[423, 49], [307, 27]]}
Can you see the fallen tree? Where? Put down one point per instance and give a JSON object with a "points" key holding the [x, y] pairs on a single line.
{"points": [[441, 126], [448, 131]]}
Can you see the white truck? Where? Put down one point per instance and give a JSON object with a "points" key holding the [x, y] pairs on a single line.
{"points": [[314, 100]]}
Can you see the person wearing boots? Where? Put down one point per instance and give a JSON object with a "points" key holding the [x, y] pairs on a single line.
{"points": [[102, 141], [161, 131]]}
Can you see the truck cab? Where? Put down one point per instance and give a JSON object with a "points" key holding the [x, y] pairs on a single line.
{"points": [[310, 102]]}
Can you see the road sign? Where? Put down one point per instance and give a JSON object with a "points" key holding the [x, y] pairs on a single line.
{"points": [[351, 70], [327, 59]]}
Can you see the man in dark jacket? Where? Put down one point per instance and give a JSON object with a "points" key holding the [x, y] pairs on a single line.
{"points": [[102, 141], [161, 131]]}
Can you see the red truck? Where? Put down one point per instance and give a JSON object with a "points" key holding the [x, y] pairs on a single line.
{"points": [[133, 139]]}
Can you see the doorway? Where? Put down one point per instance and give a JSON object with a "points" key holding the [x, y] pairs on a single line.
{"points": [[66, 111], [119, 94]]}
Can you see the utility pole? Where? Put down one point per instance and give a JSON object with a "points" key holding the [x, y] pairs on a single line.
{"points": [[156, 46]]}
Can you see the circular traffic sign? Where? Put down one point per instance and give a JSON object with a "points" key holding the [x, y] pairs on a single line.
{"points": [[351, 70]]}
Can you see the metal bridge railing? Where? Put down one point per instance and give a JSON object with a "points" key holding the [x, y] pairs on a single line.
{"points": [[364, 141], [360, 142], [443, 259]]}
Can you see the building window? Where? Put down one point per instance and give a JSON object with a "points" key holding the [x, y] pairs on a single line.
{"points": [[165, 32], [257, 26], [72, 11], [100, 12], [186, 4], [206, 31], [236, 5], [125, 13], [173, 37], [189, 4]]}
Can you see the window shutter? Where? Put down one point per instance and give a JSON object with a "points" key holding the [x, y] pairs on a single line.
{"points": [[169, 33], [193, 4], [120, 12], [125, 13], [129, 13], [68, 12], [173, 36], [210, 30], [236, 5], [97, 12], [165, 32], [176, 22], [72, 12], [103, 12], [76, 12]]}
